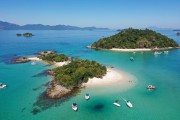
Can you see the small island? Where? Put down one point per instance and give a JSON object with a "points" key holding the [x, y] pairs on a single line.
{"points": [[25, 34], [135, 39], [178, 34], [68, 74]]}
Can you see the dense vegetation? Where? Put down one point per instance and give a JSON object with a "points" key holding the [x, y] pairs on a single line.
{"points": [[77, 72], [135, 38], [52, 57]]}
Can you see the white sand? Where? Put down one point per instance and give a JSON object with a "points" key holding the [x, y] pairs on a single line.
{"points": [[131, 50], [59, 64], [113, 77], [34, 59]]}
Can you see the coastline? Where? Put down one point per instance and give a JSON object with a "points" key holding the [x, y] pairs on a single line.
{"points": [[136, 49], [113, 77]]}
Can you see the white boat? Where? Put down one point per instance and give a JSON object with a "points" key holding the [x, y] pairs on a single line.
{"points": [[116, 103], [2, 85], [128, 103], [87, 96], [150, 87], [74, 106]]}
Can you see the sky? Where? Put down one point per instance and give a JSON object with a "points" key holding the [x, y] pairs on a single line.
{"points": [[114, 14]]}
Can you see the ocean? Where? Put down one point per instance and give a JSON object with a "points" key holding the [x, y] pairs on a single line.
{"points": [[23, 99]]}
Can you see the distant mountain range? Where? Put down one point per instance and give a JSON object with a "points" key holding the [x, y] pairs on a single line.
{"points": [[12, 26]]}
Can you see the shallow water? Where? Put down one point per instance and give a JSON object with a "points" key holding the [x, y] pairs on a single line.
{"points": [[26, 82]]}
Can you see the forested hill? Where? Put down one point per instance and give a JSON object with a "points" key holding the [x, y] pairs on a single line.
{"points": [[135, 38]]}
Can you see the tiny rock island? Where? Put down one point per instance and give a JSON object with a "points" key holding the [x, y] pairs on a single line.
{"points": [[25, 34], [134, 39]]}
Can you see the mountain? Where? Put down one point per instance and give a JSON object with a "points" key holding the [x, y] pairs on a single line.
{"points": [[135, 38], [11, 26]]}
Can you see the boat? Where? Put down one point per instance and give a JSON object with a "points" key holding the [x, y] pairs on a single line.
{"points": [[128, 103], [116, 103], [87, 96], [131, 58], [74, 106], [150, 87], [2, 85]]}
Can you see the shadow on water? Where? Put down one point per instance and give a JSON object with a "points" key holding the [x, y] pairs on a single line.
{"points": [[44, 103], [41, 87], [43, 73], [98, 107]]}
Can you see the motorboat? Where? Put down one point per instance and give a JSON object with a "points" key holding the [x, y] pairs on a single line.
{"points": [[2, 85], [129, 104], [150, 87], [116, 103], [74, 106], [87, 96]]}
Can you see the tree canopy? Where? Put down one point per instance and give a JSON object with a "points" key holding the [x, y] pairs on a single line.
{"points": [[135, 38], [52, 57], [78, 72]]}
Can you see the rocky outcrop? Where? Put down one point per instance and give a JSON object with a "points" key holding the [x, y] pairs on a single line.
{"points": [[57, 91], [20, 60]]}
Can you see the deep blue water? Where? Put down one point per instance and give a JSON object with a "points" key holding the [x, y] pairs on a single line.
{"points": [[26, 82]]}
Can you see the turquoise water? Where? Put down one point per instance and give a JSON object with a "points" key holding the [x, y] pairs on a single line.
{"points": [[26, 82]]}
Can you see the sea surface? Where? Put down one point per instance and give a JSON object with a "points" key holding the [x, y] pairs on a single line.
{"points": [[23, 99]]}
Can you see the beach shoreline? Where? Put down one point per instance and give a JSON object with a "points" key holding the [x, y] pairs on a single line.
{"points": [[114, 77], [136, 49]]}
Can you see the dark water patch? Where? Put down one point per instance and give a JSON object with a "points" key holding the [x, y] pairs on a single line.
{"points": [[41, 87], [98, 107], [44, 103], [8, 58], [35, 111], [23, 109], [43, 73]]}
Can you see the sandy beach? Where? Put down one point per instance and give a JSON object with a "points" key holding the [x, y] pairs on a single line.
{"points": [[112, 78], [131, 50], [137, 49], [56, 64]]}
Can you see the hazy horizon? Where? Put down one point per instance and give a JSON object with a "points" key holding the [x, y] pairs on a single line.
{"points": [[114, 14]]}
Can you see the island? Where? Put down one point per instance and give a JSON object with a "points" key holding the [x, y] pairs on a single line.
{"points": [[25, 34], [178, 34], [68, 74], [135, 39]]}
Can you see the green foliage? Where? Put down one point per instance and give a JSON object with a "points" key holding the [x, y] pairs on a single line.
{"points": [[54, 57], [135, 38], [78, 72], [27, 34]]}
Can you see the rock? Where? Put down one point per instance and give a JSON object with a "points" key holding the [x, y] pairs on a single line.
{"points": [[20, 60]]}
